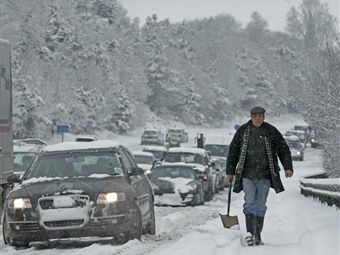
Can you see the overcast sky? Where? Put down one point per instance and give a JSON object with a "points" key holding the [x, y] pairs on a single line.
{"points": [[274, 11]]}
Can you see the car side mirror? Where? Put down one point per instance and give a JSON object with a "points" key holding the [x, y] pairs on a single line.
{"points": [[13, 178], [137, 171]]}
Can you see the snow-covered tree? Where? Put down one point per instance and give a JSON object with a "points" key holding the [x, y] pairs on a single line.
{"points": [[119, 112]]}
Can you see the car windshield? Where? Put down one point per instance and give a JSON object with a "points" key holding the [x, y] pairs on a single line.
{"points": [[295, 146], [22, 160], [173, 172], [185, 157], [142, 159], [150, 132], [217, 149], [75, 164]]}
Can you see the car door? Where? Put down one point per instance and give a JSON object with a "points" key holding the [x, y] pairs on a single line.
{"points": [[141, 185]]}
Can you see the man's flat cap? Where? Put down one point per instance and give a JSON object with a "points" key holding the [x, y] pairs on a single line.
{"points": [[257, 109]]}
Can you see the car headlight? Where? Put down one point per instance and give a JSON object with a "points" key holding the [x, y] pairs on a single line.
{"points": [[312, 140], [192, 185], [112, 197], [298, 153], [20, 203]]}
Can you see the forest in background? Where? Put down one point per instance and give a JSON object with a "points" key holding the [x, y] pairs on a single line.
{"points": [[85, 63]]}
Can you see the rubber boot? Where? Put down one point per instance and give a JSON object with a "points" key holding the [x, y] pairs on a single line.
{"points": [[258, 229], [251, 228]]}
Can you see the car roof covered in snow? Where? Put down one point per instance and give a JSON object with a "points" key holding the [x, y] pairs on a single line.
{"points": [[70, 146], [188, 150], [155, 148], [143, 153]]}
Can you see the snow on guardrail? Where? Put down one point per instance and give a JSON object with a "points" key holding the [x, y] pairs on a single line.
{"points": [[326, 190]]}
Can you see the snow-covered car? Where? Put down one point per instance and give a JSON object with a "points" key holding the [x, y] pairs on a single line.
{"points": [[151, 136], [296, 150], [177, 184], [157, 151], [32, 141], [177, 134], [23, 156], [145, 160], [85, 138], [218, 150], [299, 133], [198, 158], [77, 189]]}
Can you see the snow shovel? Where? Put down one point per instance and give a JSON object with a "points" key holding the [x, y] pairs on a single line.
{"points": [[228, 220]]}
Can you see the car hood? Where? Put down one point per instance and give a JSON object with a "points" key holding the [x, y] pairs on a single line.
{"points": [[89, 186]]}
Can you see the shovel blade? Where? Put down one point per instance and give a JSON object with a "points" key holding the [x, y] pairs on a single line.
{"points": [[229, 221]]}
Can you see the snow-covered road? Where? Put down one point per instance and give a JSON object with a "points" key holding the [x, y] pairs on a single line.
{"points": [[294, 224]]}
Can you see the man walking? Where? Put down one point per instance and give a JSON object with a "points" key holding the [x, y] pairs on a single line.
{"points": [[252, 158]]}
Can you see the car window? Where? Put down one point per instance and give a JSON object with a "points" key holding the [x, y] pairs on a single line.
{"points": [[76, 164], [128, 163], [173, 172], [22, 160]]}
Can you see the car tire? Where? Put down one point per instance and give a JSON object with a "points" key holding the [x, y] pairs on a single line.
{"points": [[197, 199], [137, 226], [151, 226], [202, 197], [135, 230]]}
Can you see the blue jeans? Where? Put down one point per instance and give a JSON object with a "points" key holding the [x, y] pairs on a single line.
{"points": [[255, 196]]}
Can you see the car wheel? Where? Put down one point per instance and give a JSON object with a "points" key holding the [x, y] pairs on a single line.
{"points": [[202, 197], [135, 230], [137, 226], [197, 199], [151, 227], [7, 240]]}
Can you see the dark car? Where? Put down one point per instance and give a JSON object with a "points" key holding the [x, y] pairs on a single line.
{"points": [[152, 137], [296, 150], [177, 184], [77, 189], [219, 166], [198, 158]]}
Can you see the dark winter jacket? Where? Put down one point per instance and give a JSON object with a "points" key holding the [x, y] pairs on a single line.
{"points": [[279, 148]]}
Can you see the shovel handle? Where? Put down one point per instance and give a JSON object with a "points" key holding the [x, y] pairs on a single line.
{"points": [[229, 199]]}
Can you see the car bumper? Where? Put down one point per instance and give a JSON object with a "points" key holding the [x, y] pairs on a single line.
{"points": [[33, 231], [297, 157]]}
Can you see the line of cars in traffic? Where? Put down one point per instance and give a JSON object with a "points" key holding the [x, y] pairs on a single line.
{"points": [[99, 188], [153, 136], [298, 138], [184, 175]]}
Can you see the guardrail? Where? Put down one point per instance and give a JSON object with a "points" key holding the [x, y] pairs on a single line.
{"points": [[326, 190]]}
